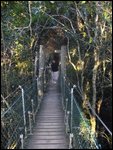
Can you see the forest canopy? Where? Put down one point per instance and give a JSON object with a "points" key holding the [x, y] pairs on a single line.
{"points": [[85, 27]]}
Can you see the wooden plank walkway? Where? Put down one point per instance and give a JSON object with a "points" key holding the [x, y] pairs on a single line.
{"points": [[49, 131]]}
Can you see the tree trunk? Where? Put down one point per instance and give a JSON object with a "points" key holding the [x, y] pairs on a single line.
{"points": [[93, 119]]}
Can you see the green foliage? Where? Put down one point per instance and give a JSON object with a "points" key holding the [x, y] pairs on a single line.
{"points": [[17, 55], [84, 34]]}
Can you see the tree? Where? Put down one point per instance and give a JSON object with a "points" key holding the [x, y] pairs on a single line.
{"points": [[84, 26]]}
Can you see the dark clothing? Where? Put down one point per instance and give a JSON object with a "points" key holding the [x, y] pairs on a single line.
{"points": [[54, 66]]}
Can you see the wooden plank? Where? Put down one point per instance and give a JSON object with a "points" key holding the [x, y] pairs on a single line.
{"points": [[46, 137], [52, 146], [48, 141], [50, 116], [50, 124], [50, 121], [49, 133], [48, 130], [50, 127], [45, 114]]}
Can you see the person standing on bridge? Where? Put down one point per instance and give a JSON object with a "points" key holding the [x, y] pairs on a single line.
{"points": [[55, 70]]}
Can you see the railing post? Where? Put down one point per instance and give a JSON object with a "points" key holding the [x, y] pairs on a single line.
{"points": [[30, 128], [63, 69], [66, 103], [38, 93], [45, 81], [22, 141], [64, 92], [71, 134], [36, 58], [71, 141], [66, 110], [23, 105], [63, 59], [72, 98], [67, 122], [71, 109], [33, 112], [66, 106]]}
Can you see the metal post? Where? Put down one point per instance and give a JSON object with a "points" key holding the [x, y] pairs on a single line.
{"points": [[62, 88], [33, 112], [23, 105], [36, 58], [63, 60], [64, 92], [30, 128], [71, 141], [66, 103], [22, 141], [63, 69], [71, 109], [67, 122], [37, 85], [65, 108], [38, 94], [45, 79]]}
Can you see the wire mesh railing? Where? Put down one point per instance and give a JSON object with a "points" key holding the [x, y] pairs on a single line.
{"points": [[18, 116], [17, 119], [77, 126]]}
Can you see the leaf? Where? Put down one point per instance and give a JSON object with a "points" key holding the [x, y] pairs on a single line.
{"points": [[52, 2], [105, 15], [83, 2], [90, 40], [84, 34]]}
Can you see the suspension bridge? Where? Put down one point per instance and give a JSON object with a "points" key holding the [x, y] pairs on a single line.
{"points": [[44, 115]]}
